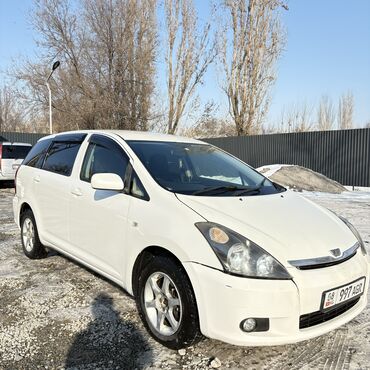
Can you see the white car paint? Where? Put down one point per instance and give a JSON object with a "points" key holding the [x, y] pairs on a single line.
{"points": [[277, 221], [107, 230]]}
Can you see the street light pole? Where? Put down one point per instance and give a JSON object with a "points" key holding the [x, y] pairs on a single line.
{"points": [[55, 66], [50, 113]]}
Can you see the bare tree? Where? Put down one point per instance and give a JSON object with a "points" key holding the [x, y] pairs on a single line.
{"points": [[107, 51], [210, 127], [11, 116], [270, 128], [297, 118], [345, 111], [326, 114], [189, 53], [256, 40]]}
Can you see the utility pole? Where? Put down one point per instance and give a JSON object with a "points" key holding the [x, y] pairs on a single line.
{"points": [[55, 66]]}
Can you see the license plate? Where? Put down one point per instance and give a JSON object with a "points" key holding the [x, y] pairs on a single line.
{"points": [[342, 294]]}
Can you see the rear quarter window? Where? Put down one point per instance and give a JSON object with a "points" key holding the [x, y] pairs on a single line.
{"points": [[37, 154], [61, 157]]}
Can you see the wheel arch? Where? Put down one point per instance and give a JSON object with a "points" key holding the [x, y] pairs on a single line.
{"points": [[27, 205], [189, 334], [144, 257], [23, 208]]}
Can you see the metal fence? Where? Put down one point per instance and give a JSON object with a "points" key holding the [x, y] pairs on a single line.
{"points": [[20, 137], [342, 155]]}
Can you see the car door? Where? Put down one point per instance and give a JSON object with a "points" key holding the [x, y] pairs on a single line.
{"points": [[98, 218], [52, 188]]}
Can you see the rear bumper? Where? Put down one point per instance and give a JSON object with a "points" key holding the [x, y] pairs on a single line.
{"points": [[7, 177], [225, 300]]}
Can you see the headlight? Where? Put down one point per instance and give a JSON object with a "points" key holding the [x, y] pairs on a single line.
{"points": [[240, 255], [356, 234]]}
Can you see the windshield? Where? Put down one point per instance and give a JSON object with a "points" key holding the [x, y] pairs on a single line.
{"points": [[200, 169]]}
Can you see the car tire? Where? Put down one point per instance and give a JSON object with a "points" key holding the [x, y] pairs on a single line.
{"points": [[166, 303], [31, 244]]}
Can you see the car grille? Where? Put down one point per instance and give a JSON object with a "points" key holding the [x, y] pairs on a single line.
{"points": [[327, 264], [326, 261], [318, 317]]}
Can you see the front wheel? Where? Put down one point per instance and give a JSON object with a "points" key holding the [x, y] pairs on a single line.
{"points": [[167, 304]]}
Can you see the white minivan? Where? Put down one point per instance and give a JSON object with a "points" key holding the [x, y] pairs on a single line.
{"points": [[11, 156], [205, 244]]}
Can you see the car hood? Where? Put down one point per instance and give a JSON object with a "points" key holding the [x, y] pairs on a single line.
{"points": [[286, 225]]}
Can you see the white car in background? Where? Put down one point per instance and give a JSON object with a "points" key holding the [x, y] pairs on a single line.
{"points": [[205, 244], [11, 156]]}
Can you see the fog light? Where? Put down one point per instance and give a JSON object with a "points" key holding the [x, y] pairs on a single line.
{"points": [[248, 325]]}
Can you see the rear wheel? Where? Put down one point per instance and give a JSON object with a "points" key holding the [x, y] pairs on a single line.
{"points": [[166, 303], [32, 246]]}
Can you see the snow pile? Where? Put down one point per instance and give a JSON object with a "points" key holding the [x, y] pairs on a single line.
{"points": [[269, 170], [300, 178]]}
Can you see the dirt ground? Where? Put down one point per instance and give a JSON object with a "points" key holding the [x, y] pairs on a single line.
{"points": [[55, 314]]}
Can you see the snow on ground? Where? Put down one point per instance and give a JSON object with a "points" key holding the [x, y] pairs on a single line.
{"points": [[56, 314], [358, 188]]}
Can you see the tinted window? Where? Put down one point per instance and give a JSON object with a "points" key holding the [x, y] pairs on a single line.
{"points": [[36, 156], [15, 151], [103, 156], [61, 157], [199, 169]]}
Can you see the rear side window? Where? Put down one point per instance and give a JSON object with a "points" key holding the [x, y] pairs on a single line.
{"points": [[37, 154], [61, 157], [15, 151], [103, 155]]}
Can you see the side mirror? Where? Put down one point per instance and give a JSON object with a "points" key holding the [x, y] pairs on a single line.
{"points": [[106, 181]]}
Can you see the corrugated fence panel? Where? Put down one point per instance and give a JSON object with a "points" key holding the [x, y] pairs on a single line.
{"points": [[342, 155], [20, 137]]}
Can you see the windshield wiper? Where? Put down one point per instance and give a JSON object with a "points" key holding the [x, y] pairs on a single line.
{"points": [[255, 189], [223, 189], [218, 189]]}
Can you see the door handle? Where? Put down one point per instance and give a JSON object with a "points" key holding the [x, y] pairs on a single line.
{"points": [[77, 192], [36, 179]]}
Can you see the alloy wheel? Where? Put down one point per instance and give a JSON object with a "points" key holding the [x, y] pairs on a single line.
{"points": [[28, 234], [162, 303]]}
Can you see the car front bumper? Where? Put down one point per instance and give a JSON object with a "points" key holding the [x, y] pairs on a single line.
{"points": [[224, 301]]}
